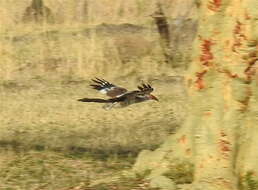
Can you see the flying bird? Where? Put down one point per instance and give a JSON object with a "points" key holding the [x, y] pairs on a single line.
{"points": [[119, 97]]}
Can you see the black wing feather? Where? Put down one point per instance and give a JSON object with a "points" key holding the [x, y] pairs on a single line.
{"points": [[145, 88], [107, 88]]}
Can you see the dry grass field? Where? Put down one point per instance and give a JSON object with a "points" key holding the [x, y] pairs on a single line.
{"points": [[48, 140]]}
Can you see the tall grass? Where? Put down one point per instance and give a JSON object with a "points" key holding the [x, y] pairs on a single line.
{"points": [[44, 68]]}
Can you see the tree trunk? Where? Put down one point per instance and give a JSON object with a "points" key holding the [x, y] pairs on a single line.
{"points": [[163, 29], [220, 134], [82, 12]]}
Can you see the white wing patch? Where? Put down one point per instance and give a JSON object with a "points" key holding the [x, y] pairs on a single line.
{"points": [[105, 90]]}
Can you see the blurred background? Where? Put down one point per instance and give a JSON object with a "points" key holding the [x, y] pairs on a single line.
{"points": [[49, 52]]}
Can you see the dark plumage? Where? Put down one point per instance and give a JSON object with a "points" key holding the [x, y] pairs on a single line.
{"points": [[118, 95]]}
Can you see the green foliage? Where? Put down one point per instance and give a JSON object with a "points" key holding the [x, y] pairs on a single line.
{"points": [[248, 181], [180, 172]]}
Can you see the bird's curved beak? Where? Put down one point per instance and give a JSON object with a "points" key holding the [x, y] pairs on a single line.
{"points": [[153, 97]]}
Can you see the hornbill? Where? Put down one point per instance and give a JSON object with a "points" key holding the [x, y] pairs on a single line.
{"points": [[119, 97]]}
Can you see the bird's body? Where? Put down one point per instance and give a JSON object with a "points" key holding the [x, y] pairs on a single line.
{"points": [[119, 97]]}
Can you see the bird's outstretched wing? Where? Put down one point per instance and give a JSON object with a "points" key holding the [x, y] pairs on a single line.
{"points": [[145, 88], [107, 88]]}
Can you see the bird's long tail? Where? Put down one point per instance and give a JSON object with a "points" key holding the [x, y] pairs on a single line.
{"points": [[98, 100], [94, 100]]}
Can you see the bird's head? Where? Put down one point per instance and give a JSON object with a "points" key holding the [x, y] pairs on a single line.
{"points": [[147, 89]]}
